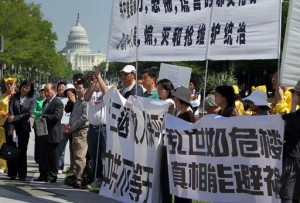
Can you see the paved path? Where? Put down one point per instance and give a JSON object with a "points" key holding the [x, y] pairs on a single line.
{"points": [[37, 192]]}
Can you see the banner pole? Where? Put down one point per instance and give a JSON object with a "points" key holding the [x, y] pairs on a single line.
{"points": [[279, 43], [206, 64], [136, 48]]}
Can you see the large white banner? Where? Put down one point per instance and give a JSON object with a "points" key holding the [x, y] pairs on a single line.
{"points": [[218, 159], [186, 30], [132, 159], [290, 64]]}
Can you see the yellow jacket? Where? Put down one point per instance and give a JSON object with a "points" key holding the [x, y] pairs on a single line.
{"points": [[283, 106]]}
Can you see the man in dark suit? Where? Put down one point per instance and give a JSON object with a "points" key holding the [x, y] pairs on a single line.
{"points": [[49, 144]]}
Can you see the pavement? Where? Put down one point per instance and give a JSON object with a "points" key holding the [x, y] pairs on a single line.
{"points": [[15, 191]]}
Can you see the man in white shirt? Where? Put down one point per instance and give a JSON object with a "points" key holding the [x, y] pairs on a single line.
{"points": [[97, 122]]}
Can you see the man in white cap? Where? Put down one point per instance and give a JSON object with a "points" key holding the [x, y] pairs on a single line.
{"points": [[129, 82]]}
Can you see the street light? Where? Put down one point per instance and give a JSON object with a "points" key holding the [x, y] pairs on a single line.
{"points": [[12, 68], [29, 72]]}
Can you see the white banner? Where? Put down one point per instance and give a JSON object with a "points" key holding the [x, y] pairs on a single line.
{"points": [[218, 159], [290, 69], [132, 159], [176, 30]]}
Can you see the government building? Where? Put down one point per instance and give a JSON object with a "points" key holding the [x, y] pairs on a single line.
{"points": [[77, 51]]}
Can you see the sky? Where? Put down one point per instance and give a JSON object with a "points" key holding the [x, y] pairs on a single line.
{"points": [[94, 17]]}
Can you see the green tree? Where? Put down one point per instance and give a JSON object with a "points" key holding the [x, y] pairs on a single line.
{"points": [[29, 40]]}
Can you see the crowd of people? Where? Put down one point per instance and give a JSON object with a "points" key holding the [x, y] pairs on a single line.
{"points": [[76, 113]]}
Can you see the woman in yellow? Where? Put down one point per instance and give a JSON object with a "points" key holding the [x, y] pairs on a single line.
{"points": [[4, 103]]}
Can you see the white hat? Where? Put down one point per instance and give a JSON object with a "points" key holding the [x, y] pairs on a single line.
{"points": [[259, 98], [128, 69], [68, 87], [42, 87], [183, 93], [209, 102]]}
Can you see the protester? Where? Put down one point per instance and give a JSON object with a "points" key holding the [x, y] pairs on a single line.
{"points": [[97, 123], [290, 178], [149, 76], [129, 85], [61, 87], [78, 129], [182, 99], [258, 103], [237, 100], [4, 106], [21, 107], [210, 105], [49, 144], [224, 97], [164, 90], [195, 98], [38, 108], [282, 100]]}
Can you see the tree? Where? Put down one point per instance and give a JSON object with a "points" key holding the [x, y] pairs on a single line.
{"points": [[29, 40]]}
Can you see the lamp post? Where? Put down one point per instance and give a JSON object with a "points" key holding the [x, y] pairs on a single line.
{"points": [[3, 68], [29, 73], [12, 69]]}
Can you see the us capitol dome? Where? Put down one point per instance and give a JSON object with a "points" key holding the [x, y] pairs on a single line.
{"points": [[77, 51]]}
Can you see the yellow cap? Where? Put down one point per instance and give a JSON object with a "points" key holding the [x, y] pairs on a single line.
{"points": [[236, 89], [12, 80], [261, 87]]}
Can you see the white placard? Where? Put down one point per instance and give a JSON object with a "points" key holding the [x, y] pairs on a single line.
{"points": [[41, 127], [179, 75]]}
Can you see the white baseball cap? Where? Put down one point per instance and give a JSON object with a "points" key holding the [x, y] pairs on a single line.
{"points": [[259, 98], [128, 69]]}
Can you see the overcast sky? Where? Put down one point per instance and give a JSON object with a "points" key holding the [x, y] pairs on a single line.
{"points": [[94, 17]]}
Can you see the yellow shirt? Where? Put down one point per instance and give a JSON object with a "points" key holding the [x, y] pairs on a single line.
{"points": [[239, 107], [283, 106], [4, 104]]}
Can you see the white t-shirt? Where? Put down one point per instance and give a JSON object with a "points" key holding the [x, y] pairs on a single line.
{"points": [[96, 109], [66, 116]]}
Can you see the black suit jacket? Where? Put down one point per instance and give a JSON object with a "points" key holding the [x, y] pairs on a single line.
{"points": [[21, 113], [53, 113]]}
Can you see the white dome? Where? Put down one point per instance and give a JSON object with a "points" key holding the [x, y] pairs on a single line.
{"points": [[77, 39]]}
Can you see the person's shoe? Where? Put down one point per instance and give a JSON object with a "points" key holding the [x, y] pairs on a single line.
{"points": [[60, 171], [96, 183], [22, 178], [76, 185], [53, 179], [12, 178], [41, 179]]}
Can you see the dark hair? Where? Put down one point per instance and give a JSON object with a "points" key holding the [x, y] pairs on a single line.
{"points": [[60, 83], [78, 76], [167, 85], [227, 92], [183, 102], [27, 83], [152, 72], [82, 82], [72, 90]]}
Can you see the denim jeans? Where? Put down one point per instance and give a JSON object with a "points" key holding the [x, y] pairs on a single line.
{"points": [[62, 149], [93, 144]]}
